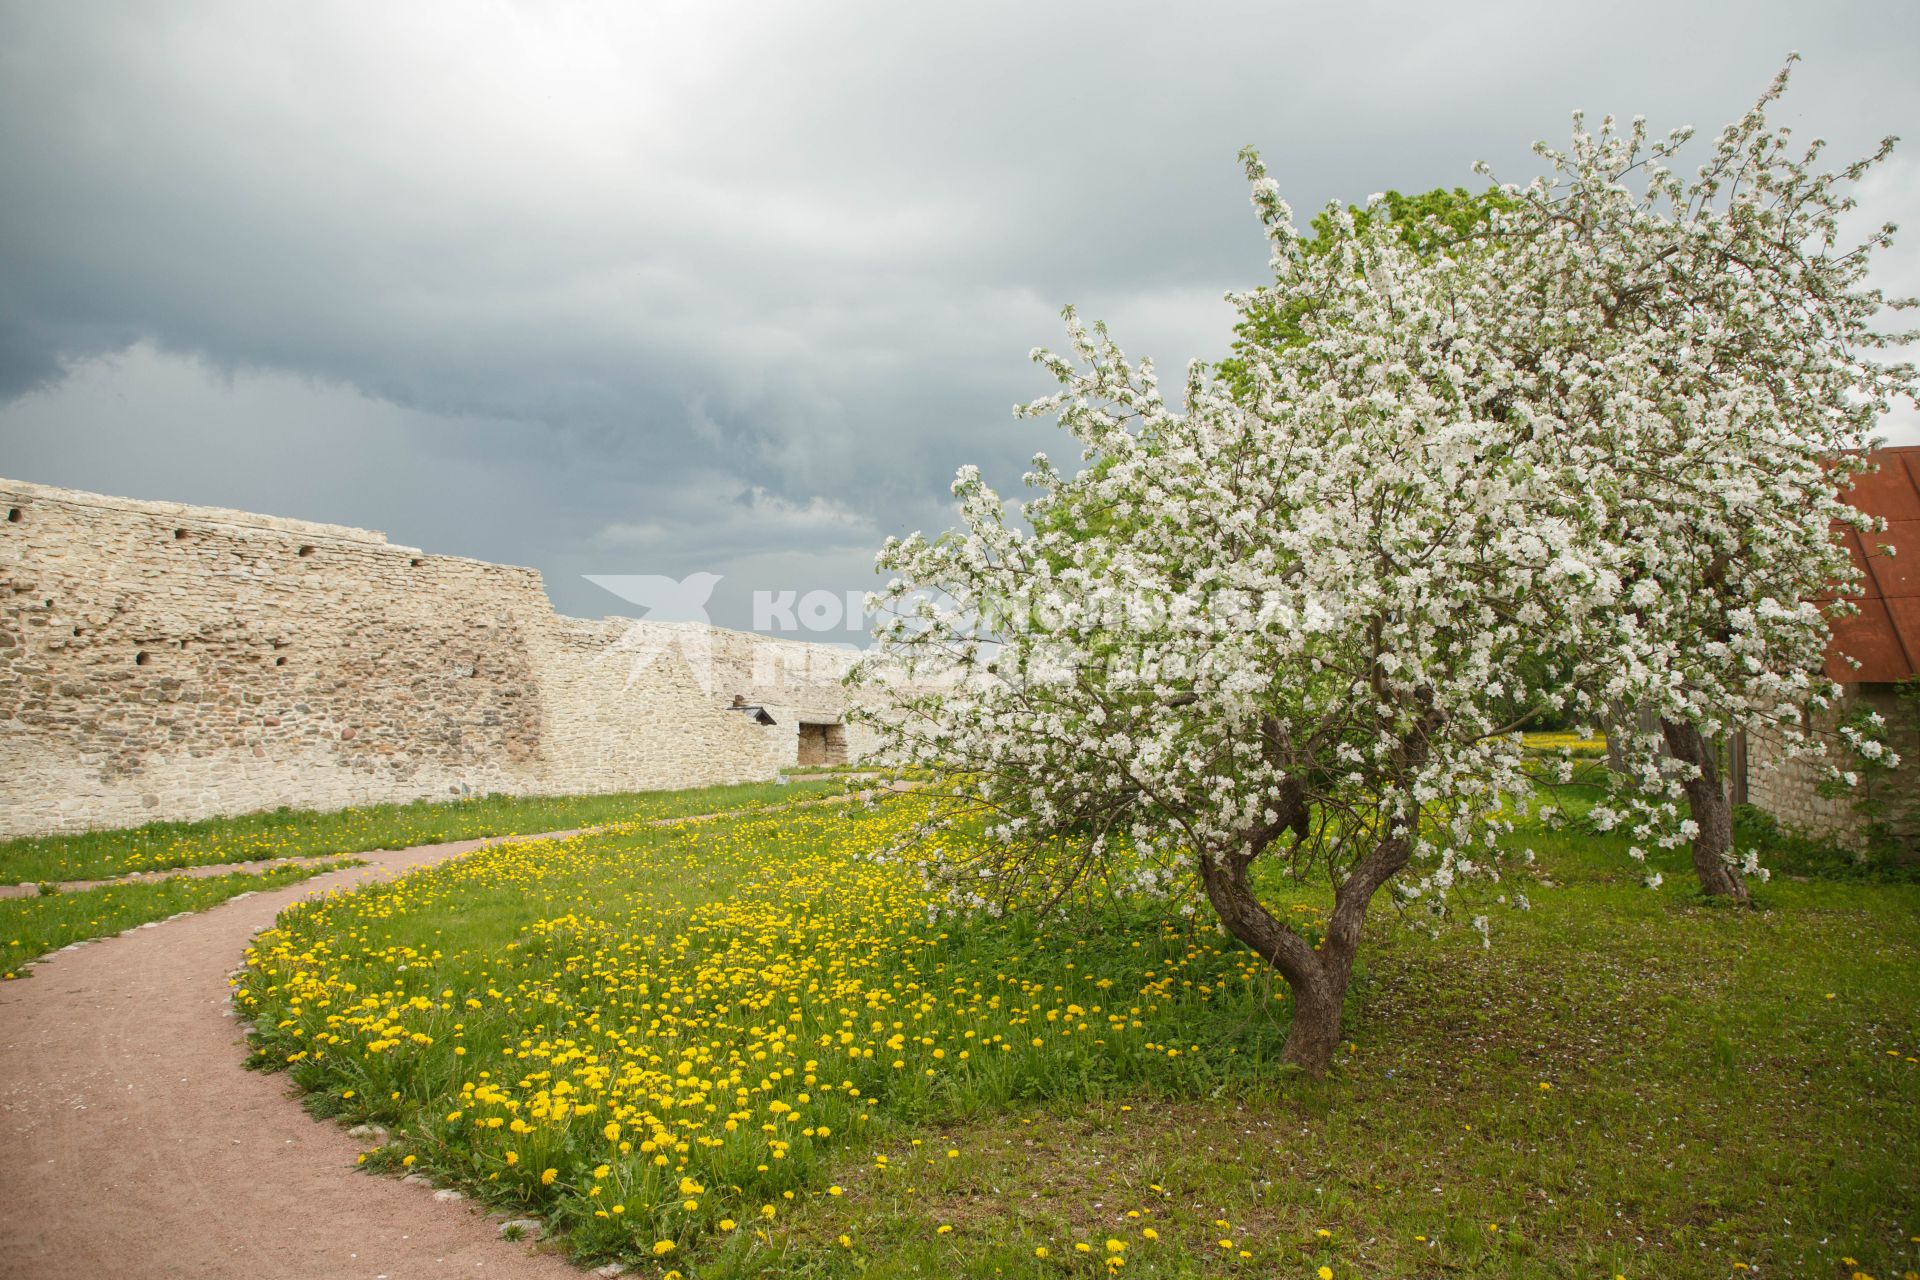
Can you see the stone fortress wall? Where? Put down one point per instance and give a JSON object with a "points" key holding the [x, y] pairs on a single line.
{"points": [[169, 662], [1791, 788]]}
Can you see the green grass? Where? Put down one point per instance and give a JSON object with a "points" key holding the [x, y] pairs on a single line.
{"points": [[1722, 1087], [31, 927], [287, 833]]}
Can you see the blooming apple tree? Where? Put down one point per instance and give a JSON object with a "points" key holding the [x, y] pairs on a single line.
{"points": [[1288, 655], [1279, 631]]}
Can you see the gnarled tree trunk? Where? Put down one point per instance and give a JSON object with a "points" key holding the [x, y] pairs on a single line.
{"points": [[1318, 977], [1712, 812]]}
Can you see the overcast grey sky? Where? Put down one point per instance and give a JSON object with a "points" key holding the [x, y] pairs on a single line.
{"points": [[661, 287]]}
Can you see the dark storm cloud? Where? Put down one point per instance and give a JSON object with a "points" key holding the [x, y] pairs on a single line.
{"points": [[660, 288]]}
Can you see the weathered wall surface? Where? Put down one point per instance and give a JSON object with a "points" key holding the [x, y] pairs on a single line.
{"points": [[1789, 789], [160, 661]]}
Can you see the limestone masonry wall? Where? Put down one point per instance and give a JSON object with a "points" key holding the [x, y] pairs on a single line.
{"points": [[1789, 788], [160, 661]]}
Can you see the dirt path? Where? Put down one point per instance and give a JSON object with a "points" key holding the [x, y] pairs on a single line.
{"points": [[133, 1142]]}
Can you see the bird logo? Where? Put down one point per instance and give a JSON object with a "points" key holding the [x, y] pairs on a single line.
{"points": [[681, 604], [664, 599]]}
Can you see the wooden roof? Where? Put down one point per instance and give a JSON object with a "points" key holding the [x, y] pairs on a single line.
{"points": [[1884, 637]]}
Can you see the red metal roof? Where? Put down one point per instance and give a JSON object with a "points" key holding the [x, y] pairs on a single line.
{"points": [[1884, 637]]}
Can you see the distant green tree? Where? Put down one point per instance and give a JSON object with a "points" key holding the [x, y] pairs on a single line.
{"points": [[1434, 222]]}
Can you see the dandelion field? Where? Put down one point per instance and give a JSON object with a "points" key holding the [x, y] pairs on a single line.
{"points": [[742, 1048], [1571, 743]]}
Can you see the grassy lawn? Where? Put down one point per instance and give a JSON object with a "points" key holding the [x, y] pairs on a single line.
{"points": [[743, 1049], [32, 927], [287, 833]]}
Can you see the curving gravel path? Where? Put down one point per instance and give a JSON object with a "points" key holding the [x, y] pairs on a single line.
{"points": [[134, 1143]]}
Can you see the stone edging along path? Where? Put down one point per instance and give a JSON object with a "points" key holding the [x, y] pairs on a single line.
{"points": [[134, 1142], [199, 870]]}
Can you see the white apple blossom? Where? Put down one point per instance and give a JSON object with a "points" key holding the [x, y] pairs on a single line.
{"points": [[1272, 631]]}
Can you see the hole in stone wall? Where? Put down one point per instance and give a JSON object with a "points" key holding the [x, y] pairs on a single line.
{"points": [[279, 662], [13, 515], [179, 535], [306, 551], [140, 658], [416, 562], [822, 744]]}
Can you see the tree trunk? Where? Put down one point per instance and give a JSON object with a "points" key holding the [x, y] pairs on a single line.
{"points": [[1314, 1033], [1317, 976], [1317, 996], [1712, 812]]}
